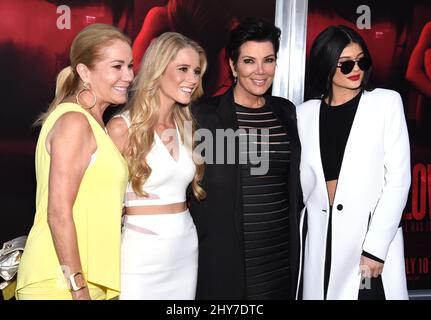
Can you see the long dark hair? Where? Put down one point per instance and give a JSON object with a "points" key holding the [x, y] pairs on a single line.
{"points": [[323, 59]]}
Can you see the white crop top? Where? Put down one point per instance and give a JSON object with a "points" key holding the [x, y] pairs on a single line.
{"points": [[168, 180]]}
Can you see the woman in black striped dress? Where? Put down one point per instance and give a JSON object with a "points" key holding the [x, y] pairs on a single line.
{"points": [[248, 223]]}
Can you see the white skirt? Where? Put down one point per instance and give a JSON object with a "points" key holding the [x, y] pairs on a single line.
{"points": [[159, 257]]}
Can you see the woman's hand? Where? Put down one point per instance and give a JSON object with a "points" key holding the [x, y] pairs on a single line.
{"points": [[370, 268]]}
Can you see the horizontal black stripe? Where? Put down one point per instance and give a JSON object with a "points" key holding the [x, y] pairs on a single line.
{"points": [[265, 185], [284, 209], [266, 259], [265, 204], [264, 216], [265, 234], [265, 194], [257, 121], [267, 250], [283, 270], [274, 294]]}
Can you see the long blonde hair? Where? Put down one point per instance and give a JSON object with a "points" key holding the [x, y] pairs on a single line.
{"points": [[86, 49], [145, 103]]}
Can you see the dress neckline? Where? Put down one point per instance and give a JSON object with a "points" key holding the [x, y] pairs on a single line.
{"points": [[163, 145]]}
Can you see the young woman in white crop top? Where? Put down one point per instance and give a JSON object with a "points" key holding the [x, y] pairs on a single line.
{"points": [[159, 255]]}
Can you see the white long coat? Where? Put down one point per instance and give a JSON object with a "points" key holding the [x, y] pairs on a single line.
{"points": [[371, 194]]}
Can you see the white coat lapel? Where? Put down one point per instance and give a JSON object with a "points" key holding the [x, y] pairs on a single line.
{"points": [[317, 154], [352, 163]]}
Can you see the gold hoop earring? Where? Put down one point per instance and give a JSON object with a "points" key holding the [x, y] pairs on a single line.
{"points": [[86, 88]]}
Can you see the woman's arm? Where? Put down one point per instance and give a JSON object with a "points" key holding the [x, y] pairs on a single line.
{"points": [[155, 23], [388, 212], [70, 144], [119, 133]]}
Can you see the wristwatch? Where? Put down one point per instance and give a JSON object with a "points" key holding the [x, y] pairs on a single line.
{"points": [[73, 286]]}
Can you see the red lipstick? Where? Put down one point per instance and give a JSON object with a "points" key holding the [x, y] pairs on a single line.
{"points": [[354, 78]]}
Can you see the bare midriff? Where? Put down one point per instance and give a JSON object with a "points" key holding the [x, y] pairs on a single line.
{"points": [[159, 209], [331, 185]]}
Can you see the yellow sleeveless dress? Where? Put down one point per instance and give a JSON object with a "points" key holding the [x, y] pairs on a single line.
{"points": [[96, 214]]}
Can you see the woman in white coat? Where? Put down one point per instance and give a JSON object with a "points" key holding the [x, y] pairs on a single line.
{"points": [[355, 176]]}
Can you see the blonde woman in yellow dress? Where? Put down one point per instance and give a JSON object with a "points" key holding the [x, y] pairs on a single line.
{"points": [[73, 249]]}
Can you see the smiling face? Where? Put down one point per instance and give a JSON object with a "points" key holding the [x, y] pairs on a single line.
{"points": [[254, 69], [181, 78], [112, 74], [352, 80]]}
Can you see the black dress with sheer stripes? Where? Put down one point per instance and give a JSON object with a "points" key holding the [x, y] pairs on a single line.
{"points": [[265, 203]]}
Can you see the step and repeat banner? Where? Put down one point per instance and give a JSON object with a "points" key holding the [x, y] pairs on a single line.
{"points": [[35, 38]]}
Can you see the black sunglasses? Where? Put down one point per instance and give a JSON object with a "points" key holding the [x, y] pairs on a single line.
{"points": [[347, 66]]}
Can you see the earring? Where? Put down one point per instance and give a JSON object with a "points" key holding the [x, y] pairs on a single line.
{"points": [[235, 79], [86, 88]]}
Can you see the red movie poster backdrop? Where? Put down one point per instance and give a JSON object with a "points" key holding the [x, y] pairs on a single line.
{"points": [[398, 35], [35, 38]]}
